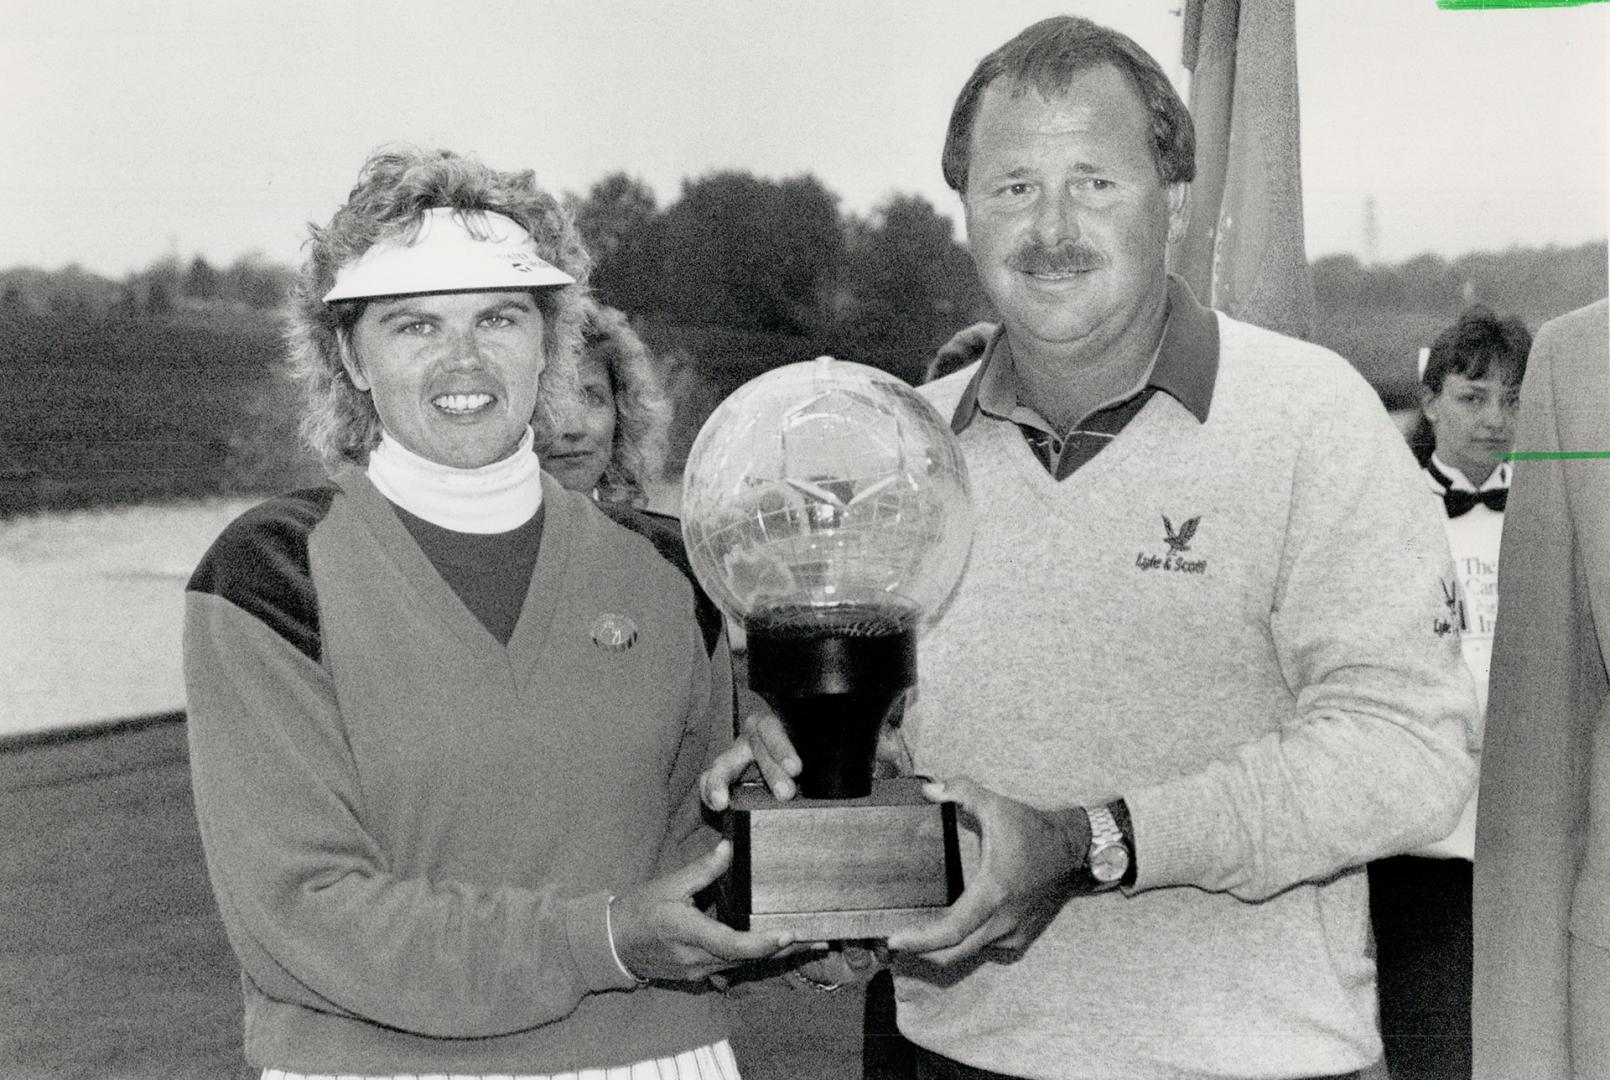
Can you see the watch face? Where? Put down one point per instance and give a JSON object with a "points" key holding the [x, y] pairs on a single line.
{"points": [[1109, 864]]}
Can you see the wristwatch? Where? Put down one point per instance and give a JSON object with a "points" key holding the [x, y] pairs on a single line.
{"points": [[1109, 855]]}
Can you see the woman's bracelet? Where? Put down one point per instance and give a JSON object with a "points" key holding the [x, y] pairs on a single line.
{"points": [[609, 929]]}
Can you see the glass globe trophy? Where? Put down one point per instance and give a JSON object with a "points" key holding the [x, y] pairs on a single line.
{"points": [[826, 511]]}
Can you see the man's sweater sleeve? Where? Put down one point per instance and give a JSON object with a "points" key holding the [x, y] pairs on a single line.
{"points": [[311, 906], [1372, 758]]}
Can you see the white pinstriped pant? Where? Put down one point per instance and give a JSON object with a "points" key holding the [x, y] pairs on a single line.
{"points": [[713, 1062]]}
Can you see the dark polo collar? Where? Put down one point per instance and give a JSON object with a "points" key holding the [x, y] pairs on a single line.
{"points": [[1186, 367]]}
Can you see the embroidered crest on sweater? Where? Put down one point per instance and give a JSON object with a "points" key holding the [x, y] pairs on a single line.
{"points": [[1179, 545], [614, 633]]}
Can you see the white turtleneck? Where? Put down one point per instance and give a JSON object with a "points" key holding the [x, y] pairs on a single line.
{"points": [[490, 499]]}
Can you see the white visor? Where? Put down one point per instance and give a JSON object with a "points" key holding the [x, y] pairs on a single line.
{"points": [[446, 256]]}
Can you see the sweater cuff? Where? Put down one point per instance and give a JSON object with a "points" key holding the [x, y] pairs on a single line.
{"points": [[1171, 846], [587, 928]]}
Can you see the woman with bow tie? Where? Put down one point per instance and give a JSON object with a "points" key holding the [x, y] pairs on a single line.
{"points": [[1468, 395], [1469, 390]]}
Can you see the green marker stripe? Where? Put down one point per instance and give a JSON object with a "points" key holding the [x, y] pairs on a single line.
{"points": [[1482, 5], [1554, 455]]}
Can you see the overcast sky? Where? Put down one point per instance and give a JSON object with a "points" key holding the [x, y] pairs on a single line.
{"points": [[218, 127]]}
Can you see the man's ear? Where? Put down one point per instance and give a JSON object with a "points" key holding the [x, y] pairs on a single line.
{"points": [[967, 226], [349, 359], [1178, 200], [1427, 396]]}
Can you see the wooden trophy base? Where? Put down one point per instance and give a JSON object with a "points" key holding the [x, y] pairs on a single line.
{"points": [[840, 869]]}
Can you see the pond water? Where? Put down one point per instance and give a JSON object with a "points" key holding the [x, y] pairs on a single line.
{"points": [[92, 609]]}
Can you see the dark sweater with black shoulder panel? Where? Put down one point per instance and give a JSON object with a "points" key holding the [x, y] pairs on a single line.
{"points": [[412, 829]]}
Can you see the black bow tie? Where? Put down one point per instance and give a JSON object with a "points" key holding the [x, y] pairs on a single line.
{"points": [[1460, 503]]}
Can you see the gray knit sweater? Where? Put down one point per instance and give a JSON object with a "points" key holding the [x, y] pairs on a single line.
{"points": [[1241, 627]]}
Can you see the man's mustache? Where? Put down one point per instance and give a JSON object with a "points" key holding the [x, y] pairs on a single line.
{"points": [[1063, 259]]}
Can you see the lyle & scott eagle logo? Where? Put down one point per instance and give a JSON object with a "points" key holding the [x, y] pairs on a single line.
{"points": [[1179, 545], [1180, 542]]}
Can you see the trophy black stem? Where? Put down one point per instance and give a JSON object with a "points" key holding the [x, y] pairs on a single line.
{"points": [[832, 679]]}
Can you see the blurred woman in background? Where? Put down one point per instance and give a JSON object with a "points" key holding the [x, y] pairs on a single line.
{"points": [[1420, 903], [609, 440], [1469, 393]]}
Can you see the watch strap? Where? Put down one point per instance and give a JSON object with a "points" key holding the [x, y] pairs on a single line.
{"points": [[1126, 825], [1106, 845]]}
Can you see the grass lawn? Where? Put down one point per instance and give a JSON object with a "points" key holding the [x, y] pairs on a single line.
{"points": [[113, 962]]}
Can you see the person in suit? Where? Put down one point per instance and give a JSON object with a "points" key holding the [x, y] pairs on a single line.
{"points": [[1541, 1004]]}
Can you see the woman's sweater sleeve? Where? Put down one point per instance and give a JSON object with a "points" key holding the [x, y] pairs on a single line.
{"points": [[707, 732]]}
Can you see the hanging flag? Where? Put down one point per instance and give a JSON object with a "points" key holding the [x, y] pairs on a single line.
{"points": [[1243, 250]]}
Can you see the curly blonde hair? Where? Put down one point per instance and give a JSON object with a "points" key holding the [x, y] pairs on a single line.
{"points": [[642, 410], [394, 189]]}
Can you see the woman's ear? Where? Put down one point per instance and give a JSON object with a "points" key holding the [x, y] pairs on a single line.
{"points": [[1428, 397], [349, 359], [1179, 199]]}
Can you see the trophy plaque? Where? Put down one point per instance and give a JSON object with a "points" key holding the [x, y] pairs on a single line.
{"points": [[826, 511]]}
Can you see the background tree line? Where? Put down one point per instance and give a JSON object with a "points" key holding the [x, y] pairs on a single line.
{"points": [[167, 383], [168, 285], [1379, 317]]}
